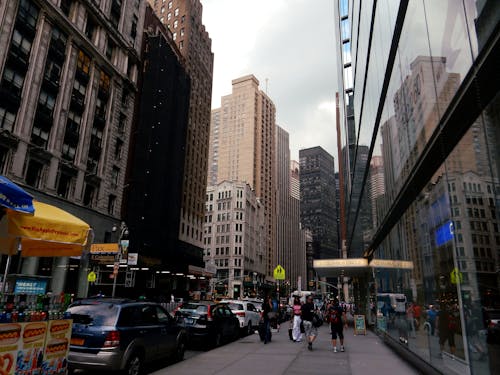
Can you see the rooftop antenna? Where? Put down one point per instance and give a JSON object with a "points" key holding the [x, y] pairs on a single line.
{"points": [[267, 81]]}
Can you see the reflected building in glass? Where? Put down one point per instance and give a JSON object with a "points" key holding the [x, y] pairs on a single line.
{"points": [[418, 90]]}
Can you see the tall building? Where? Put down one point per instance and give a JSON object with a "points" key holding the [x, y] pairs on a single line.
{"points": [[429, 111], [234, 239], [291, 251], [294, 179], [317, 196], [153, 209], [67, 91], [246, 149], [184, 19]]}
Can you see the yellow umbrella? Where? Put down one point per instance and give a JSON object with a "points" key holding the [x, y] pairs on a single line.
{"points": [[50, 232]]}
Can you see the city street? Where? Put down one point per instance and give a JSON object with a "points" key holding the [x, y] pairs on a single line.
{"points": [[363, 355]]}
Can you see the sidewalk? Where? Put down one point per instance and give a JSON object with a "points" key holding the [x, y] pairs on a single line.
{"points": [[364, 355]]}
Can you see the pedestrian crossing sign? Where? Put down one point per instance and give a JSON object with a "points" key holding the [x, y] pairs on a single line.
{"points": [[279, 273], [456, 277]]}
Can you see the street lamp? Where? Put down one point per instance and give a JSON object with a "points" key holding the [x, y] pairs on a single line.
{"points": [[118, 257]]}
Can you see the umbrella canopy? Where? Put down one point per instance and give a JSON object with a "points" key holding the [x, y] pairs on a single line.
{"points": [[15, 198], [49, 232]]}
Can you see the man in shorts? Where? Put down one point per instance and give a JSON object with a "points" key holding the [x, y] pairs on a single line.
{"points": [[337, 318], [307, 314]]}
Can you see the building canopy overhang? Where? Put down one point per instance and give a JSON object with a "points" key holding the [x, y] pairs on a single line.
{"points": [[352, 267]]}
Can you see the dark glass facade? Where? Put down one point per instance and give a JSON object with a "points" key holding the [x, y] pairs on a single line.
{"points": [[423, 80], [317, 195]]}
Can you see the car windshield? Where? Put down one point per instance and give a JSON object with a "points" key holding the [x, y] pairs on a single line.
{"points": [[235, 306], [198, 308], [101, 314]]}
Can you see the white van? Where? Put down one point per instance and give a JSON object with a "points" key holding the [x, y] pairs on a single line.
{"points": [[397, 301]]}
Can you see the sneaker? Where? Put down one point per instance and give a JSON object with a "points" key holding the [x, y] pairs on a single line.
{"points": [[310, 346], [342, 348], [335, 349]]}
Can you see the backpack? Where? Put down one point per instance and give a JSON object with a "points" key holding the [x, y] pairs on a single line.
{"points": [[334, 317]]}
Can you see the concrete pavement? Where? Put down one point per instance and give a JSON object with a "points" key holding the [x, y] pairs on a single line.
{"points": [[364, 355]]}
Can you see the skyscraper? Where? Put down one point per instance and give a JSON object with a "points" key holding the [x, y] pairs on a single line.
{"points": [[291, 251], [67, 91], [184, 19], [317, 195], [246, 149], [429, 110]]}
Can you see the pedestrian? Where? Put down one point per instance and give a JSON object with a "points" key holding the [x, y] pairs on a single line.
{"points": [[267, 311], [410, 316], [446, 323], [337, 318], [417, 312], [431, 318], [296, 334], [307, 314]]}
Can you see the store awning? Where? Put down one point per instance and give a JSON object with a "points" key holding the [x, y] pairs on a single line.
{"points": [[14, 197], [49, 232]]}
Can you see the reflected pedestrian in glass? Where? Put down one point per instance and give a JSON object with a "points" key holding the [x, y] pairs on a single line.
{"points": [[296, 334], [447, 326], [307, 314]]}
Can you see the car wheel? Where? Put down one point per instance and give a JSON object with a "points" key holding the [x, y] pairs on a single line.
{"points": [[180, 350], [134, 365], [218, 339], [250, 329]]}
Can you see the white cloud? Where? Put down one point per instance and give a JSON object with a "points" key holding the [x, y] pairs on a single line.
{"points": [[292, 44]]}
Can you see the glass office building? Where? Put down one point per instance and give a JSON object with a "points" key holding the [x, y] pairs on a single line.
{"points": [[418, 87]]}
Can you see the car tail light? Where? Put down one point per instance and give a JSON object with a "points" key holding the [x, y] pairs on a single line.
{"points": [[209, 314], [491, 324], [242, 314], [112, 339]]}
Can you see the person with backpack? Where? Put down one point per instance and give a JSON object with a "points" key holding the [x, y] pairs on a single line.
{"points": [[337, 318]]}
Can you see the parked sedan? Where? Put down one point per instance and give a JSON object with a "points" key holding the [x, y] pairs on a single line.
{"points": [[120, 334], [247, 314], [208, 322]]}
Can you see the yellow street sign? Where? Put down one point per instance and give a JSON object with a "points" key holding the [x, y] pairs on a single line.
{"points": [[456, 277], [91, 277], [279, 273]]}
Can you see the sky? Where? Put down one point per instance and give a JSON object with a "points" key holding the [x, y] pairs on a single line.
{"points": [[291, 43]]}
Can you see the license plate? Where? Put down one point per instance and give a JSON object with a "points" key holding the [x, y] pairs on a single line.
{"points": [[76, 341], [189, 320]]}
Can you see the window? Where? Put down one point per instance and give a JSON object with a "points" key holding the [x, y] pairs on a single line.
{"points": [[169, 5], [133, 29], [182, 32], [63, 185], [7, 119], [90, 28], [21, 42], [28, 13], [66, 7], [14, 78], [83, 62], [175, 24], [111, 204], [33, 173], [176, 12], [115, 173], [110, 49], [118, 149], [169, 16], [88, 195]]}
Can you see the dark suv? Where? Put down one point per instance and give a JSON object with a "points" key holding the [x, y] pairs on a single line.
{"points": [[208, 322], [121, 334]]}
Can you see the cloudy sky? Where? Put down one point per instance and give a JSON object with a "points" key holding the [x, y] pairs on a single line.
{"points": [[291, 44]]}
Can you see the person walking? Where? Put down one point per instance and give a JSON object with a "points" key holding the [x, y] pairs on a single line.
{"points": [[410, 316], [296, 334], [267, 310], [337, 318], [447, 325], [307, 314]]}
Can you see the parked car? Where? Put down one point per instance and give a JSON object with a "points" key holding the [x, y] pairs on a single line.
{"points": [[122, 334], [208, 322], [492, 320], [247, 313]]}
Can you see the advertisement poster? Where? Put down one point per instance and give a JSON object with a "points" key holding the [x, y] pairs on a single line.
{"points": [[56, 347], [10, 338], [30, 348]]}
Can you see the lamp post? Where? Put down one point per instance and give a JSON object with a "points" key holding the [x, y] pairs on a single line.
{"points": [[123, 232]]}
